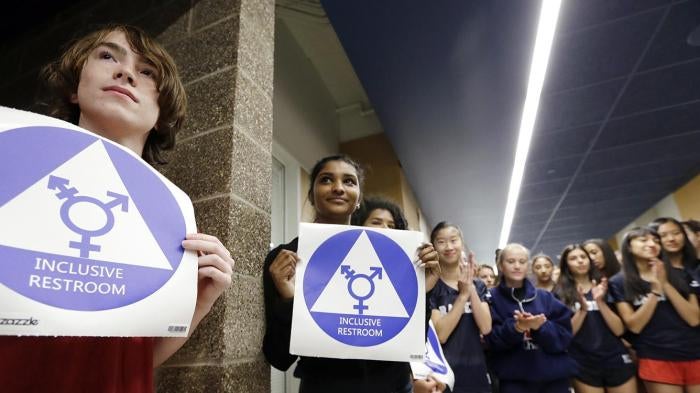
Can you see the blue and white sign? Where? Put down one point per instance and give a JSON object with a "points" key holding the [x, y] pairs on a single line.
{"points": [[358, 294], [90, 236], [434, 363]]}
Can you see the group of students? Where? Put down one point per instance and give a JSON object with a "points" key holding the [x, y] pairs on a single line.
{"points": [[596, 328]]}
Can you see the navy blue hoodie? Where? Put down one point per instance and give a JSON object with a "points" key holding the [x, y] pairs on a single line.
{"points": [[540, 356]]}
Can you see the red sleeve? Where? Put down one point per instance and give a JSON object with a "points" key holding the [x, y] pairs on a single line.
{"points": [[76, 364]]}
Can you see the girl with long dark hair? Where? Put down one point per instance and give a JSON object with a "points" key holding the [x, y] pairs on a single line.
{"points": [[663, 314], [692, 231], [678, 252], [602, 257], [604, 363], [335, 193]]}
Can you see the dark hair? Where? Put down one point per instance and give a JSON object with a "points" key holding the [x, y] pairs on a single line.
{"points": [[371, 204], [443, 225], [566, 288], [486, 266], [693, 225], [545, 256], [612, 264], [61, 78], [635, 286], [688, 254], [497, 252], [323, 161]]}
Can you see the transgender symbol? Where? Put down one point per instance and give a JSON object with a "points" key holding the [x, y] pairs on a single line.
{"points": [[354, 289], [72, 200]]}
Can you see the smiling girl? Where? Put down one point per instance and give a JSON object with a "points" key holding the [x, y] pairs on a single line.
{"points": [[459, 310], [604, 363], [678, 253], [664, 316], [335, 192]]}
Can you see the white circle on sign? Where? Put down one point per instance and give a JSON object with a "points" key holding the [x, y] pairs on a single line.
{"points": [[88, 216], [361, 287]]}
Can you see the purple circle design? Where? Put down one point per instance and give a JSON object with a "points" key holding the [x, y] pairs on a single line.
{"points": [[29, 154]]}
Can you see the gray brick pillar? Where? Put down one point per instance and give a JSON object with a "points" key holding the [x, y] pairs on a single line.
{"points": [[224, 49]]}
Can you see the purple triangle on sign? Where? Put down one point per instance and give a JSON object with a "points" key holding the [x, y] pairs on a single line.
{"points": [[20, 167], [154, 201]]}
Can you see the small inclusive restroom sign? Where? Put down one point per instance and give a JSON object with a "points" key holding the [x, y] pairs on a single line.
{"points": [[434, 363], [90, 236], [358, 294]]}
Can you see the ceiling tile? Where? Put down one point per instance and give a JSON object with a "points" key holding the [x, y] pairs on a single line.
{"points": [[543, 171], [576, 15], [604, 52], [671, 45], [649, 125], [575, 108], [661, 88], [653, 150], [543, 190], [547, 146]]}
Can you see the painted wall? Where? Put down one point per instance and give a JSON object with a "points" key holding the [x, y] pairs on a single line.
{"points": [[683, 204], [305, 121], [688, 199], [384, 175]]}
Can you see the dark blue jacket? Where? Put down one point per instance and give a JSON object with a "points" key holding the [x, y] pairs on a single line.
{"points": [[539, 356]]}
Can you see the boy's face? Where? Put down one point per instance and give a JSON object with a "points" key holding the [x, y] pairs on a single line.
{"points": [[117, 93]]}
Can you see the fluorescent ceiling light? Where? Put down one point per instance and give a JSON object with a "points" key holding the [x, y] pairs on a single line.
{"points": [[540, 59]]}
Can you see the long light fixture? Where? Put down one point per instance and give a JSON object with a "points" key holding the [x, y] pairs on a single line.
{"points": [[540, 59]]}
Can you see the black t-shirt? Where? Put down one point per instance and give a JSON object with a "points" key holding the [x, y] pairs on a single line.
{"points": [[692, 278], [595, 345], [666, 336], [332, 375], [463, 348]]}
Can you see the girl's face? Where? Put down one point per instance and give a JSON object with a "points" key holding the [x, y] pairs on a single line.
{"points": [[645, 247], [448, 244], [336, 192], [488, 277], [542, 269], [596, 255], [578, 262], [117, 92], [692, 237], [514, 265], [380, 218], [672, 239]]}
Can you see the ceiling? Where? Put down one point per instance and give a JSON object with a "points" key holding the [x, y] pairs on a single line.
{"points": [[618, 126]]}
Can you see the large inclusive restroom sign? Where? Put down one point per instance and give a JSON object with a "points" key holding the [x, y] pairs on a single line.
{"points": [[358, 294], [90, 236]]}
